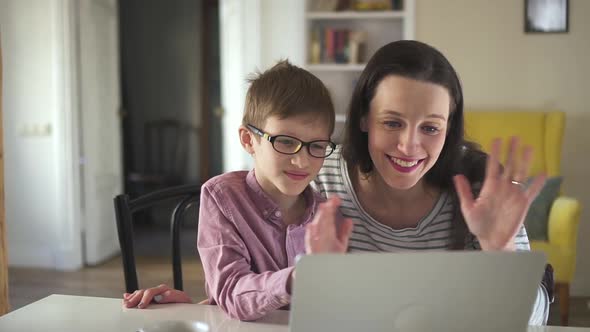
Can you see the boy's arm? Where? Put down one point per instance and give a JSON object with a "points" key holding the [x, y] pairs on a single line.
{"points": [[231, 283]]}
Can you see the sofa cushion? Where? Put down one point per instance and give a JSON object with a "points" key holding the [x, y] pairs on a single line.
{"points": [[537, 219]]}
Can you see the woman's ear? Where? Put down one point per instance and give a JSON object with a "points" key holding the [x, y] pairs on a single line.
{"points": [[246, 139]]}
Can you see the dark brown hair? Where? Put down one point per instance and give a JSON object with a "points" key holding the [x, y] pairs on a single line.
{"points": [[286, 90]]}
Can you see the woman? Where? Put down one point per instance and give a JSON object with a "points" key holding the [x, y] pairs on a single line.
{"points": [[406, 176]]}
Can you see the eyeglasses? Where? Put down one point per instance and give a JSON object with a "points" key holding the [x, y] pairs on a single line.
{"points": [[291, 145]]}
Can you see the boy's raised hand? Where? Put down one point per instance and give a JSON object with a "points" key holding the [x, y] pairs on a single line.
{"points": [[141, 298], [322, 235]]}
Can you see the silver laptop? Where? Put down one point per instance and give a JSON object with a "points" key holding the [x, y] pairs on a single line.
{"points": [[418, 291]]}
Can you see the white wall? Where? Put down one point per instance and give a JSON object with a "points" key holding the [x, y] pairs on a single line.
{"points": [[501, 66], [41, 229], [282, 32], [254, 35]]}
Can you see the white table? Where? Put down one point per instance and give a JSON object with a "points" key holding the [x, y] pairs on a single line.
{"points": [[65, 313]]}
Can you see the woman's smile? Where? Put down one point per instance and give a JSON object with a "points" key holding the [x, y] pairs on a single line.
{"points": [[404, 165]]}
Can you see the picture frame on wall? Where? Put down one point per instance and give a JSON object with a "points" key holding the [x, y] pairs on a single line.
{"points": [[546, 16]]}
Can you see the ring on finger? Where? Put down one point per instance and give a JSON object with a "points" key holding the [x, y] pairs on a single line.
{"points": [[518, 183]]}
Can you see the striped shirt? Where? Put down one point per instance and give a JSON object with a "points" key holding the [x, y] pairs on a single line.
{"points": [[433, 232]]}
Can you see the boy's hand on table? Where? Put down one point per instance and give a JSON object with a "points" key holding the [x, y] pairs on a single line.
{"points": [[141, 298]]}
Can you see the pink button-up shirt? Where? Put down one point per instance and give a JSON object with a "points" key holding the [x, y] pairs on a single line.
{"points": [[246, 250]]}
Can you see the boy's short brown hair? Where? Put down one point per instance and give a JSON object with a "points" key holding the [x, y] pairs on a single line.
{"points": [[286, 90]]}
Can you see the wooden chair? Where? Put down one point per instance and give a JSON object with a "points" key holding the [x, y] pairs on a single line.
{"points": [[125, 208]]}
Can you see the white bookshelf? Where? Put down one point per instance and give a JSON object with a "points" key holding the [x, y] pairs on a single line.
{"points": [[380, 27]]}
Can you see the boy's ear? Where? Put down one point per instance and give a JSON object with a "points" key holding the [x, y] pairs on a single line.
{"points": [[363, 125], [246, 139]]}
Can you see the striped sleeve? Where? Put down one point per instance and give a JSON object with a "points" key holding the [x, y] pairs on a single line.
{"points": [[540, 312]]}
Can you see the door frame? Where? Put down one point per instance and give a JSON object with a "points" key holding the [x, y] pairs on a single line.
{"points": [[205, 102], [4, 304]]}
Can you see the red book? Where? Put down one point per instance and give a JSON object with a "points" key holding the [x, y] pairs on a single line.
{"points": [[330, 44]]}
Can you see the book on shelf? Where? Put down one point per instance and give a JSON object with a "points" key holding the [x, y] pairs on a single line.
{"points": [[377, 5], [334, 45], [329, 5], [357, 5]]}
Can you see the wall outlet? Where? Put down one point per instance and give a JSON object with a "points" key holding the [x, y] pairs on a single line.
{"points": [[35, 130]]}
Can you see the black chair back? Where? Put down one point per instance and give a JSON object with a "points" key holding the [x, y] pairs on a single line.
{"points": [[125, 208], [167, 143]]}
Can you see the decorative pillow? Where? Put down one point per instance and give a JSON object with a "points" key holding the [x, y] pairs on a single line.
{"points": [[537, 219]]}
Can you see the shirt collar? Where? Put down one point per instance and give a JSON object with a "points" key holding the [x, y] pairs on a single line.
{"points": [[270, 210]]}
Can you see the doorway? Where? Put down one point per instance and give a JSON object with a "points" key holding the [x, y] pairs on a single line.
{"points": [[170, 93]]}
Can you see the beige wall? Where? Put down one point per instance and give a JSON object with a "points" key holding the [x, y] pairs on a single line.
{"points": [[501, 66]]}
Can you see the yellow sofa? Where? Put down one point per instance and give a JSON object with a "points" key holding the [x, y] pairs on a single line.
{"points": [[544, 131]]}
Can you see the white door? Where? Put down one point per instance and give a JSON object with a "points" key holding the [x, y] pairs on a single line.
{"points": [[100, 126]]}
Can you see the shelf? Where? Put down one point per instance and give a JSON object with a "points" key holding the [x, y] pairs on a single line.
{"points": [[372, 28], [346, 15], [336, 67]]}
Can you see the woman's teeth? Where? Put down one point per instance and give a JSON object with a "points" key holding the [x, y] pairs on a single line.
{"points": [[404, 163]]}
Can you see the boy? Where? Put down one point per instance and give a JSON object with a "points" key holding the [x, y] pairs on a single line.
{"points": [[252, 225]]}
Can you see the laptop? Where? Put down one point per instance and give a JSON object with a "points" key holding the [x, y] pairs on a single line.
{"points": [[417, 291]]}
